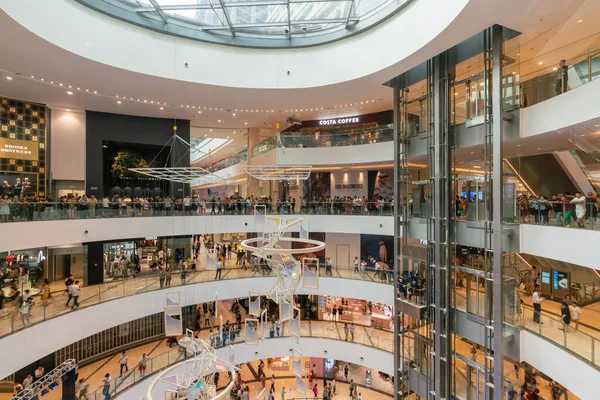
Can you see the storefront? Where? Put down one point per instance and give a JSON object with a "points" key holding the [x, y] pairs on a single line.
{"points": [[355, 311], [346, 131]]}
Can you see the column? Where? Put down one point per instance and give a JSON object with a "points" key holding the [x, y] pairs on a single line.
{"points": [[252, 186]]}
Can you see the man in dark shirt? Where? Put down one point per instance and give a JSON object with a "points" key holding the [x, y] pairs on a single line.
{"points": [[562, 77]]}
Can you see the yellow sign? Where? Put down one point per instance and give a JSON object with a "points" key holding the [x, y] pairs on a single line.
{"points": [[18, 149]]}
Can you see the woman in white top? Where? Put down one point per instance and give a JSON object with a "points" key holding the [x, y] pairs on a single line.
{"points": [[575, 312]]}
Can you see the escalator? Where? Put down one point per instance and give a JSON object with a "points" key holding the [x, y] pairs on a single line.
{"points": [[543, 174]]}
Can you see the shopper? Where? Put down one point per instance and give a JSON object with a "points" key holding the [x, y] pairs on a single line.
{"points": [[168, 273], [272, 389], [352, 327], [315, 390], [123, 363], [579, 202], [142, 365], [68, 282], [74, 293], [183, 274], [219, 269], [346, 331], [346, 372], [537, 305], [161, 277], [562, 77], [106, 386], [575, 312], [82, 387], [565, 315]]}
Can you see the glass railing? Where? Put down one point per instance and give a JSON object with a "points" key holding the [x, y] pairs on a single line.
{"points": [[577, 342], [264, 146], [20, 211], [382, 340], [299, 140], [571, 212], [228, 162], [15, 319], [540, 81]]}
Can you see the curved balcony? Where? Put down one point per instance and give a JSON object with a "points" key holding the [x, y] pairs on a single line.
{"points": [[372, 349], [52, 227], [108, 305]]}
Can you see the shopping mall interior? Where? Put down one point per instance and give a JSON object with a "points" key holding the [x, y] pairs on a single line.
{"points": [[299, 199]]}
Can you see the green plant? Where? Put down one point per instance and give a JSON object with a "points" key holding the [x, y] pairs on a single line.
{"points": [[125, 160]]}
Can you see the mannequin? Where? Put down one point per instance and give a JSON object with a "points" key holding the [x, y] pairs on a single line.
{"points": [[18, 187]]}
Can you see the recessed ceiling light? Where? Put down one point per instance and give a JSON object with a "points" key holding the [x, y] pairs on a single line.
{"points": [[32, 76], [105, 146], [205, 135], [554, 69], [69, 92], [227, 137], [219, 121], [119, 102], [52, 82], [234, 115], [68, 110], [519, 145], [9, 78], [514, 73], [42, 79], [580, 21], [162, 108], [95, 92], [210, 130], [540, 63], [539, 148], [60, 84], [70, 87], [476, 166], [245, 123]]}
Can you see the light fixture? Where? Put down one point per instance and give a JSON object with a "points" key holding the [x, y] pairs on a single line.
{"points": [[219, 121], [210, 130], [234, 115], [162, 108], [554, 69], [60, 84], [205, 135], [68, 110], [105, 146], [227, 137], [95, 92], [70, 93], [9, 78], [119, 102], [580, 21], [245, 123], [540, 63]]}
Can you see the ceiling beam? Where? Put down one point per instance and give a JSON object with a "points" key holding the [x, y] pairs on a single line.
{"points": [[350, 12], [289, 21], [226, 14], [143, 9], [159, 11], [278, 24]]}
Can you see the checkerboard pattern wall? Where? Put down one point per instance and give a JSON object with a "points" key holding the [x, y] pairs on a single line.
{"points": [[25, 121]]}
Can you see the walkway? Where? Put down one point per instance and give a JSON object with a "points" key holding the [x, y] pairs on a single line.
{"points": [[11, 321]]}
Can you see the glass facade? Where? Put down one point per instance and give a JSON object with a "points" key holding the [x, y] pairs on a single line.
{"points": [[455, 94], [264, 23]]}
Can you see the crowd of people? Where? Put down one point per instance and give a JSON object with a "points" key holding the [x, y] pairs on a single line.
{"points": [[566, 209], [33, 207]]}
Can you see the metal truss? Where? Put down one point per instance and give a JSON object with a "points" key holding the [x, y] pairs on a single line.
{"points": [[196, 382], [33, 391], [192, 175], [278, 172]]}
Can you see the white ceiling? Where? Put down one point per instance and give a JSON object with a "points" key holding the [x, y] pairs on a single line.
{"points": [[546, 24]]}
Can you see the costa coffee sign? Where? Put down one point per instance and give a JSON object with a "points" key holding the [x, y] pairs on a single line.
{"points": [[340, 121]]}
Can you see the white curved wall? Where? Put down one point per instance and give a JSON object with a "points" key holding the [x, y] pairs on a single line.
{"points": [[46, 337], [575, 246], [573, 107], [370, 357], [364, 153], [27, 235], [564, 367], [140, 50]]}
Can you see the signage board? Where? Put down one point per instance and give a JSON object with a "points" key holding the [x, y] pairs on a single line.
{"points": [[339, 121], [18, 149]]}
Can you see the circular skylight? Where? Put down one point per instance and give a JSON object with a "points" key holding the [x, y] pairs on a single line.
{"points": [[253, 23]]}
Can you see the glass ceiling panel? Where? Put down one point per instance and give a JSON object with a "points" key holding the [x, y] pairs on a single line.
{"points": [[254, 23]]}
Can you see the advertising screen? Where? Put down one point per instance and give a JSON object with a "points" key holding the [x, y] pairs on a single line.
{"points": [[560, 281]]}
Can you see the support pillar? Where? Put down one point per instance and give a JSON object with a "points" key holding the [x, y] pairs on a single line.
{"points": [[253, 188]]}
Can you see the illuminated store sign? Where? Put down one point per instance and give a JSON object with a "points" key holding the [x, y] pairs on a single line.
{"points": [[18, 149], [340, 121]]}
